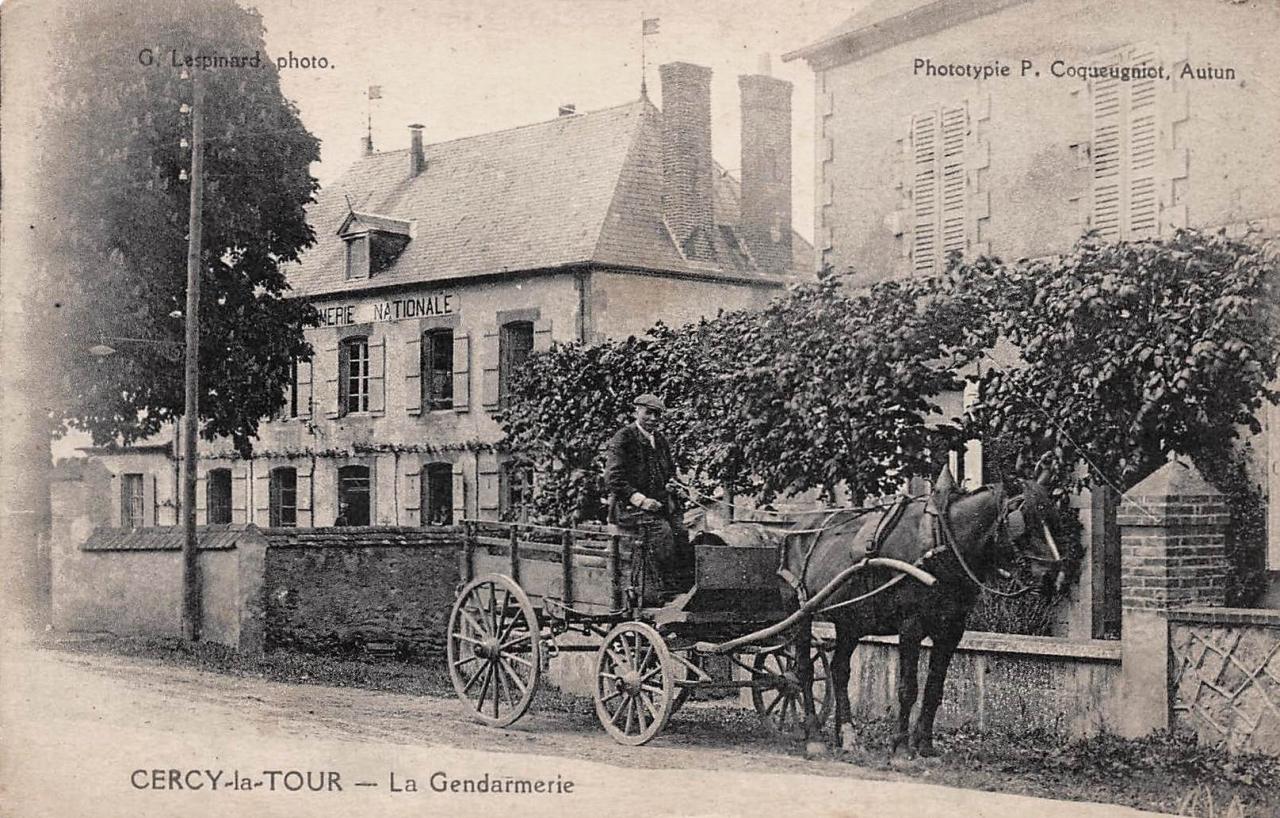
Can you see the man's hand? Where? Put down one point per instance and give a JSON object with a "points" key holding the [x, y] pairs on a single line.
{"points": [[651, 504]]}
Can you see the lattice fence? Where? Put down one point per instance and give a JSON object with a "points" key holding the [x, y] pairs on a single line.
{"points": [[1226, 683]]}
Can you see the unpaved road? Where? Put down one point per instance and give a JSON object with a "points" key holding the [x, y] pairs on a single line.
{"points": [[84, 735]]}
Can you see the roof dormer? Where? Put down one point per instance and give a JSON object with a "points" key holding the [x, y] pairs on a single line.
{"points": [[372, 242]]}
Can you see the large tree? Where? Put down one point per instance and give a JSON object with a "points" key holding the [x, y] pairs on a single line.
{"points": [[113, 240]]}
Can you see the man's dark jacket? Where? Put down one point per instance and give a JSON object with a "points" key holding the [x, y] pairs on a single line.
{"points": [[632, 465]]}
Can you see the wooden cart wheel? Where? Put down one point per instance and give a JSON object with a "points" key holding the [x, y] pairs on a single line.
{"points": [[635, 687], [781, 706], [494, 649]]}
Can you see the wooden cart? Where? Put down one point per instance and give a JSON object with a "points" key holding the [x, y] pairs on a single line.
{"points": [[524, 587]]}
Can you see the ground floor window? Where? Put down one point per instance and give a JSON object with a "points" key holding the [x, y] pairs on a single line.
{"points": [[437, 494], [284, 497], [131, 500], [353, 496], [515, 490], [218, 497]]}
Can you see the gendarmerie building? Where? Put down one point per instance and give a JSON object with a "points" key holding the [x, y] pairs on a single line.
{"points": [[439, 269]]}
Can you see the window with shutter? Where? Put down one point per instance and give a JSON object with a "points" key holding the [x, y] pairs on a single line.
{"points": [[284, 497], [218, 500], [939, 187], [437, 369], [1124, 150], [437, 494]]}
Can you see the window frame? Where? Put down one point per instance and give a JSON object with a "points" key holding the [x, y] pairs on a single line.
{"points": [[133, 507], [508, 331], [346, 379], [346, 477], [515, 479], [433, 475], [437, 347], [275, 498], [209, 505]]}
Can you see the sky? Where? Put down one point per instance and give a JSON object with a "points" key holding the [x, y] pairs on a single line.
{"points": [[462, 68]]}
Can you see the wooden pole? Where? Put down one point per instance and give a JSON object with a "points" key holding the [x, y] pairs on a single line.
{"points": [[191, 404]]}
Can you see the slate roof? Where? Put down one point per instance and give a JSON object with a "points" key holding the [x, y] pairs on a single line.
{"points": [[573, 190], [166, 538]]}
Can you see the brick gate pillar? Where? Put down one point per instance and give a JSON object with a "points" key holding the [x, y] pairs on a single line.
{"points": [[1172, 555]]}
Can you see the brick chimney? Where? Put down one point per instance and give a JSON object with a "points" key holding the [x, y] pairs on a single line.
{"points": [[417, 158], [766, 170], [687, 169]]}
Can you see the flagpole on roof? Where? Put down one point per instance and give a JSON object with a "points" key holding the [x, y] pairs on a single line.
{"points": [[648, 25]]}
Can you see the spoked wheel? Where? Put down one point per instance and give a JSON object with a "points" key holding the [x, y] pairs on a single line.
{"points": [[781, 704], [635, 686], [493, 649]]}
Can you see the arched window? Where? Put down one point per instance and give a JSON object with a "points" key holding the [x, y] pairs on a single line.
{"points": [[284, 497], [353, 496], [437, 494], [218, 496], [353, 376]]}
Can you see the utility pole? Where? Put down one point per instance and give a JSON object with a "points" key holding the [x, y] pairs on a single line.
{"points": [[191, 403]]}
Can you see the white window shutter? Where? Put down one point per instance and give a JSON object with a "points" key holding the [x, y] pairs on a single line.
{"points": [[1142, 204], [413, 492], [459, 494], [304, 390], [924, 192], [240, 497], [377, 375], [955, 130], [487, 492], [149, 510], [261, 495], [1107, 103], [413, 375], [329, 397], [489, 364], [202, 500], [542, 335], [461, 372], [306, 516]]}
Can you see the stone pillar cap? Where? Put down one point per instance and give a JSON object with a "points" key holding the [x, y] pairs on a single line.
{"points": [[1177, 477]]}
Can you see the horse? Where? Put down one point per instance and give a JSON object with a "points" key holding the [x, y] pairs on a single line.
{"points": [[956, 541]]}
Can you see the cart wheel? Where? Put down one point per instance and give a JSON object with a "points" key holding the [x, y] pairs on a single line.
{"points": [[635, 687], [679, 669], [494, 649], [781, 705]]}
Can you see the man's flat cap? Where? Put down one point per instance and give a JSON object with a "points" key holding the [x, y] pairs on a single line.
{"points": [[651, 401]]}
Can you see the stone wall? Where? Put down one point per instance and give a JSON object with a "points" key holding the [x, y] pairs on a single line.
{"points": [[346, 590]]}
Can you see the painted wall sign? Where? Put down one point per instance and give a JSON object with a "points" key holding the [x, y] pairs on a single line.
{"points": [[396, 309]]}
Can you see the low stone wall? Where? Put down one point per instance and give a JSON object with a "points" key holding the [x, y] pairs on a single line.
{"points": [[1001, 680], [1225, 681], [346, 590]]}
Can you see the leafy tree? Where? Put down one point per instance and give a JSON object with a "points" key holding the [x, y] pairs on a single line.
{"points": [[113, 248]]}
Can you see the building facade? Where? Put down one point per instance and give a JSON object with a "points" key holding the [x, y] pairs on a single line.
{"points": [[1012, 127], [438, 270]]}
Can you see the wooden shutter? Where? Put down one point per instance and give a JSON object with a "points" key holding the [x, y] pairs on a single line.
{"points": [[202, 500], [489, 363], [331, 396], [150, 509], [304, 390], [413, 474], [1107, 105], [377, 375], [461, 372], [542, 335], [413, 364], [262, 495], [306, 515], [924, 192], [459, 494], [487, 492], [240, 497], [1142, 205], [955, 129]]}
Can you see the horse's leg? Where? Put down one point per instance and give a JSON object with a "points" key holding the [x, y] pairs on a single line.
{"points": [[909, 636], [846, 641], [804, 668], [944, 647]]}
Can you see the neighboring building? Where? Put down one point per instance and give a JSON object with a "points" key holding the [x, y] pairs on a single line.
{"points": [[437, 270], [915, 162]]}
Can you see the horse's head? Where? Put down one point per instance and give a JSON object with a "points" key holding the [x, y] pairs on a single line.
{"points": [[1029, 523]]}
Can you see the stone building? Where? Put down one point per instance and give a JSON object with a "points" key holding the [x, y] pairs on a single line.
{"points": [[991, 127], [437, 270]]}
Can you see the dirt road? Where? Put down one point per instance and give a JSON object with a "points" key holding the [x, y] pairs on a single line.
{"points": [[93, 735]]}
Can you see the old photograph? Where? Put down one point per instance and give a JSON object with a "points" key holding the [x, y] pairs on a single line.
{"points": [[613, 407]]}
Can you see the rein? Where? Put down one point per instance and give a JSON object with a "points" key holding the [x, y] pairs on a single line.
{"points": [[997, 529]]}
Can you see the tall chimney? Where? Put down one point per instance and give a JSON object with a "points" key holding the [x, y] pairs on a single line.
{"points": [[766, 170], [417, 159], [687, 169]]}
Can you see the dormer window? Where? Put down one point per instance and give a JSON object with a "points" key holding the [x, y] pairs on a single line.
{"points": [[373, 243]]}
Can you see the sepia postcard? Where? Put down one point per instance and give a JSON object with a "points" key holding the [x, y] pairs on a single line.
{"points": [[640, 407]]}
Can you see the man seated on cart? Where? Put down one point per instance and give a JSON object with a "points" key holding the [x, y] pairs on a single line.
{"points": [[638, 472]]}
